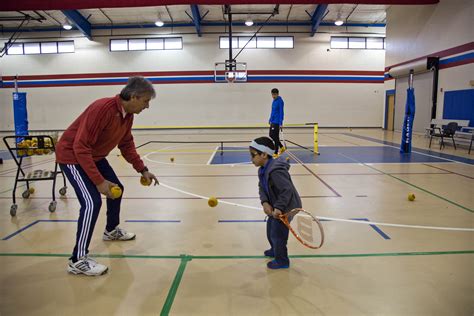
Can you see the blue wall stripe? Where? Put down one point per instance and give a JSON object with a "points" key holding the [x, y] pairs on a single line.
{"points": [[193, 78], [276, 78], [456, 59]]}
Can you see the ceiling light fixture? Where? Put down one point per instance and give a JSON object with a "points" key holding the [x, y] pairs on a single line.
{"points": [[339, 21], [249, 21], [159, 23], [67, 25]]}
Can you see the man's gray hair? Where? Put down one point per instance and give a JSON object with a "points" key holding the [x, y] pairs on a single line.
{"points": [[137, 86]]}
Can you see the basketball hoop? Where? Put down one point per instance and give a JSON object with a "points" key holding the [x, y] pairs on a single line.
{"points": [[230, 72], [230, 76]]}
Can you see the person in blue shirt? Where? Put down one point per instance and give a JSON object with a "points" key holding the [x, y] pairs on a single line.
{"points": [[276, 119], [278, 196]]}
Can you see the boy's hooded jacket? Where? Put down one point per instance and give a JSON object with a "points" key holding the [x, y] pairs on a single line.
{"points": [[276, 187]]}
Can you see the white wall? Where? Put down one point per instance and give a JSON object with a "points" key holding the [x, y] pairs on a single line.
{"points": [[330, 104], [417, 31]]}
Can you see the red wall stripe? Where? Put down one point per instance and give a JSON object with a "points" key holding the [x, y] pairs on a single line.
{"points": [[444, 53], [192, 73]]}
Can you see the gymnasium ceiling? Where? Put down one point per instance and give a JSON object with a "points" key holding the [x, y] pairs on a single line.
{"points": [[89, 15]]}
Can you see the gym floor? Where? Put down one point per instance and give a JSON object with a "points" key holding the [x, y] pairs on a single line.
{"points": [[190, 259]]}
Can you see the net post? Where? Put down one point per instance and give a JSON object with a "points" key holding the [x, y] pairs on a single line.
{"points": [[315, 136]]}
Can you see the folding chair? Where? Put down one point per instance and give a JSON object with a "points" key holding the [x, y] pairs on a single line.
{"points": [[447, 132]]}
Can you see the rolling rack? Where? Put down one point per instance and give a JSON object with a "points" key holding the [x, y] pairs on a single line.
{"points": [[21, 146]]}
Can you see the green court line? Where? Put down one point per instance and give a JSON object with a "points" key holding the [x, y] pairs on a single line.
{"points": [[424, 190], [191, 257], [174, 287]]}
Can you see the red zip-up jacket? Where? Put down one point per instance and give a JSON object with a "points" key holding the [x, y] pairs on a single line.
{"points": [[93, 135]]}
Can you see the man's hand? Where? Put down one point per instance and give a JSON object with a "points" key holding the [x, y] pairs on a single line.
{"points": [[277, 213], [150, 176], [104, 188], [267, 208]]}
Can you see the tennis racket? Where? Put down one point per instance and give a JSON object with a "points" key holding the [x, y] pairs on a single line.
{"points": [[305, 227]]}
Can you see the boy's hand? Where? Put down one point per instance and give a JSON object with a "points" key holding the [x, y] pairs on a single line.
{"points": [[277, 213], [267, 208]]}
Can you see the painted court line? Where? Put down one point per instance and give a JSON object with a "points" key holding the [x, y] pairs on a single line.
{"points": [[419, 151], [374, 227], [75, 221], [39, 221], [465, 229], [343, 255], [152, 221], [415, 186], [212, 156]]}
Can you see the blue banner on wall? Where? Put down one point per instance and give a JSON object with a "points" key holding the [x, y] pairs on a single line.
{"points": [[405, 146], [20, 113], [459, 105]]}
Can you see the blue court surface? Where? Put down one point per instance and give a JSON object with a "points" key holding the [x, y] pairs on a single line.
{"points": [[5, 155], [342, 154]]}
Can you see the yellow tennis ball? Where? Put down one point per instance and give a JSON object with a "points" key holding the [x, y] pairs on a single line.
{"points": [[144, 181], [172, 159], [116, 192], [411, 197], [31, 190], [212, 202]]}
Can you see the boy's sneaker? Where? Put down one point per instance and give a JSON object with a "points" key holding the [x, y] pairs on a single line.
{"points": [[118, 234], [87, 266], [275, 265], [282, 150], [269, 253]]}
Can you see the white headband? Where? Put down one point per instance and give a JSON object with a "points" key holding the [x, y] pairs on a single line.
{"points": [[262, 148]]}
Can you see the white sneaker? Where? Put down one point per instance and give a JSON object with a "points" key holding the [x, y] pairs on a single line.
{"points": [[87, 266], [118, 234]]}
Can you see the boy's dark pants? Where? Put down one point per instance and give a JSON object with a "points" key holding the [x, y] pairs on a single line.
{"points": [[277, 234]]}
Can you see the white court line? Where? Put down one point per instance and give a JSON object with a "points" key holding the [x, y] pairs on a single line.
{"points": [[193, 164], [328, 218], [212, 156]]}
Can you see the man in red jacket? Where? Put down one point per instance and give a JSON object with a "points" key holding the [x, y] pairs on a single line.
{"points": [[81, 153]]}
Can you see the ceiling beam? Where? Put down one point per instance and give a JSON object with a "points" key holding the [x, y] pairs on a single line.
{"points": [[95, 4], [317, 17], [177, 25], [79, 21], [196, 18]]}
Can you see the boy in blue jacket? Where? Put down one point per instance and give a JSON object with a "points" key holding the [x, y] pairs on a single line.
{"points": [[276, 119], [278, 195]]}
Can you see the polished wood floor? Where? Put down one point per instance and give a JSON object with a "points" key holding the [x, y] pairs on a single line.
{"points": [[190, 259]]}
